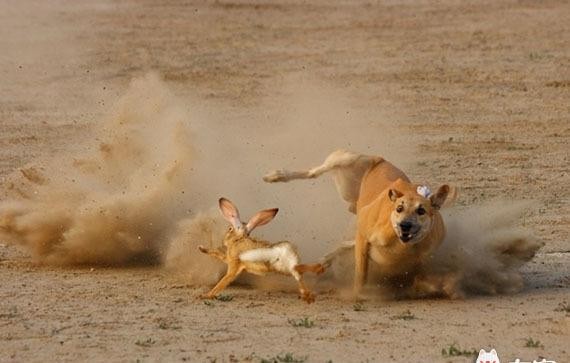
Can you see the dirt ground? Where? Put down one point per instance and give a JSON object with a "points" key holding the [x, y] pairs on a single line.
{"points": [[480, 90]]}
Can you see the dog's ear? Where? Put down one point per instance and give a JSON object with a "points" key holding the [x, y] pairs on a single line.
{"points": [[394, 194], [438, 198], [261, 218], [230, 212]]}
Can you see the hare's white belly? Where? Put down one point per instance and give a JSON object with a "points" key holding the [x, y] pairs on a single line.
{"points": [[282, 257]]}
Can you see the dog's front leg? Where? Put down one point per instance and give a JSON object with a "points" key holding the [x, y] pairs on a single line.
{"points": [[360, 264]]}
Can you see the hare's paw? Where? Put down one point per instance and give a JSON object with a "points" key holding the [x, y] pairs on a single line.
{"points": [[320, 269], [275, 176], [308, 297], [207, 296]]}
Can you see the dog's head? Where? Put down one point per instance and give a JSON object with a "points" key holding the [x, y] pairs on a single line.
{"points": [[413, 211]]}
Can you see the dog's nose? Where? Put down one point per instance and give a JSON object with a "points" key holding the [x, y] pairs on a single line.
{"points": [[406, 226]]}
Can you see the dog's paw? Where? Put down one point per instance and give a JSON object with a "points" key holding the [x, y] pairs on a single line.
{"points": [[358, 296], [202, 249], [275, 176]]}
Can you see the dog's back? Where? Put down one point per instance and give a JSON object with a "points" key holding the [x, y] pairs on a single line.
{"points": [[376, 180]]}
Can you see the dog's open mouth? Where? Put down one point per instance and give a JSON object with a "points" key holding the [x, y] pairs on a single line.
{"points": [[406, 237]]}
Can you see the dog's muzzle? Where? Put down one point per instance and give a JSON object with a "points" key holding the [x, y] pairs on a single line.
{"points": [[408, 231]]}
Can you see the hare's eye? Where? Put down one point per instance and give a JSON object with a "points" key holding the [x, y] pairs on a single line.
{"points": [[230, 229], [421, 211], [400, 209]]}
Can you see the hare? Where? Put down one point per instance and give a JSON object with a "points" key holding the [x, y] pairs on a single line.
{"points": [[242, 252]]}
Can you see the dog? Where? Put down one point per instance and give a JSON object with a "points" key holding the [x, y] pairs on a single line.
{"points": [[399, 225]]}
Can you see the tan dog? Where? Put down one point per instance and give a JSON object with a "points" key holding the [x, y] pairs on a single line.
{"points": [[245, 253], [398, 223]]}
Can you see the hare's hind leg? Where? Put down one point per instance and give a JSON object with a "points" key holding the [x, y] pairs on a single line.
{"points": [[315, 268], [304, 291], [234, 270], [349, 170]]}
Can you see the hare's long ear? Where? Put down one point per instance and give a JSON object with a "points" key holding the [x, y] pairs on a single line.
{"points": [[261, 218], [230, 212]]}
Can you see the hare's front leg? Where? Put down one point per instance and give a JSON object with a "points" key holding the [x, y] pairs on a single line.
{"points": [[234, 269], [217, 253]]}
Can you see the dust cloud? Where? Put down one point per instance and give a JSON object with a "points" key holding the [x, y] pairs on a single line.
{"points": [[113, 203], [482, 252], [144, 188], [485, 246]]}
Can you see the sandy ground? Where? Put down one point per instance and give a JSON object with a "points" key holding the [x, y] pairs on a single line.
{"points": [[480, 90]]}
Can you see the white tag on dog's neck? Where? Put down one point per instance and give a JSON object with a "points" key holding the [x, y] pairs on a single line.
{"points": [[424, 191]]}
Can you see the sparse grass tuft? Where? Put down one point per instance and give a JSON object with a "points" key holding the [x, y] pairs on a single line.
{"points": [[531, 343], [11, 313], [358, 307], [406, 315], [208, 303], [224, 297], [454, 351], [145, 343], [167, 324], [286, 358], [563, 307], [536, 56], [305, 323]]}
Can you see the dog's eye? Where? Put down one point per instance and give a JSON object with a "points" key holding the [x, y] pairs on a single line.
{"points": [[400, 209], [421, 211], [230, 229]]}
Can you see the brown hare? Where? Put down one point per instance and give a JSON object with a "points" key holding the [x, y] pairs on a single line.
{"points": [[241, 252]]}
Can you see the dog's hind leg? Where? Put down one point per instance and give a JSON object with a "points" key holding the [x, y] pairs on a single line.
{"points": [[345, 248], [434, 285], [349, 169]]}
